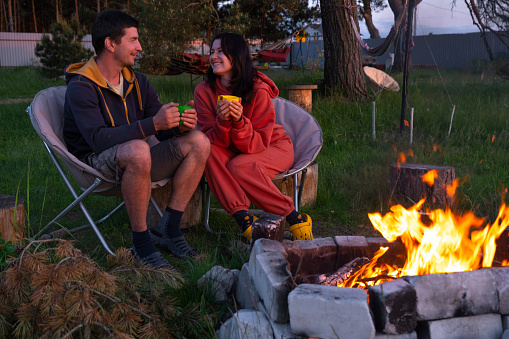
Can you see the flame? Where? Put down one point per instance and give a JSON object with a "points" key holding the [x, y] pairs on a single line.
{"points": [[451, 189], [429, 177], [493, 138], [437, 241]]}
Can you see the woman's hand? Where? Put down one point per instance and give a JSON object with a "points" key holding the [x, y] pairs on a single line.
{"points": [[236, 110], [223, 110]]}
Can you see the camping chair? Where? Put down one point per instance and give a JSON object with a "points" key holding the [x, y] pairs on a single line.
{"points": [[307, 140], [47, 116]]}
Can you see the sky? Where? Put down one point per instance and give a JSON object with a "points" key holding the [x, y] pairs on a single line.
{"points": [[433, 16]]}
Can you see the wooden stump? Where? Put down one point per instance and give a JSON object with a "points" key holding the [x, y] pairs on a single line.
{"points": [[310, 188], [407, 184], [302, 95], [192, 213], [12, 218]]}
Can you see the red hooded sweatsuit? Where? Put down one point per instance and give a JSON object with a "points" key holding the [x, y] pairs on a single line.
{"points": [[245, 156]]}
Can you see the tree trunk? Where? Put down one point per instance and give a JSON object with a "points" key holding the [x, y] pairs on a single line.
{"points": [[77, 14], [343, 63], [11, 18], [98, 6], [399, 58], [368, 18], [35, 17]]}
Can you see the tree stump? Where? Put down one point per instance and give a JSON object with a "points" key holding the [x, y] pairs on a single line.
{"points": [[192, 213], [407, 184], [310, 188], [12, 218], [302, 95]]}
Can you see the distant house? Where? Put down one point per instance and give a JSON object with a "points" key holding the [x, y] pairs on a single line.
{"points": [[314, 30]]}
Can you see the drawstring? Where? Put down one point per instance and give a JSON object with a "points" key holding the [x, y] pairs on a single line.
{"points": [[138, 92]]}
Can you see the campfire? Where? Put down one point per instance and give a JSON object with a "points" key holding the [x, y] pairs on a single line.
{"points": [[436, 241]]}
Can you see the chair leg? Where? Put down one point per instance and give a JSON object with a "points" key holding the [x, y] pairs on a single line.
{"points": [[207, 211], [156, 207], [297, 189]]}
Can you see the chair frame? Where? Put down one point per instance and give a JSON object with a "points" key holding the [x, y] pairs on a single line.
{"points": [[297, 188], [79, 199]]}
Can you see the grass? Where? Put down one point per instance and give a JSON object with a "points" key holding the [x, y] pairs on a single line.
{"points": [[353, 168]]}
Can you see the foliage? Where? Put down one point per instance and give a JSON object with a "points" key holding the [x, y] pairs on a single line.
{"points": [[6, 250], [167, 28], [54, 290], [62, 49], [275, 20]]}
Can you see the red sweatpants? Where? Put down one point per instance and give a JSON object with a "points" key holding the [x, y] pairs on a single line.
{"points": [[237, 179]]}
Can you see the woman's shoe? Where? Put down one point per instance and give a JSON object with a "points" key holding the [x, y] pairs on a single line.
{"points": [[247, 232], [303, 230]]}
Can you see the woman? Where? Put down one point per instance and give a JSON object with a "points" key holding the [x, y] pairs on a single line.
{"points": [[248, 149]]}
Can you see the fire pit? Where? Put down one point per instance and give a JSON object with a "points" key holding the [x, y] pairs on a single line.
{"points": [[431, 276]]}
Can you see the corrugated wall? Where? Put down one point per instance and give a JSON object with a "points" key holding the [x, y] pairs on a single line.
{"points": [[447, 51], [17, 49]]}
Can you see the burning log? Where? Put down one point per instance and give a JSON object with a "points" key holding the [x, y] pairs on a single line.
{"points": [[343, 273]]}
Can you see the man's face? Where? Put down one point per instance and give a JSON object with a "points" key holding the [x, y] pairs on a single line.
{"points": [[126, 52]]}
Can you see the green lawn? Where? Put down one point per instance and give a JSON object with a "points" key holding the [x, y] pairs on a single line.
{"points": [[353, 168]]}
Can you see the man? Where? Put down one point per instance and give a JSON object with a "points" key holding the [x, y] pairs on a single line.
{"points": [[110, 111]]}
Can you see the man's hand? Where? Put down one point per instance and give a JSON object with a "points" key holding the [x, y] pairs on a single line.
{"points": [[167, 117], [189, 118]]}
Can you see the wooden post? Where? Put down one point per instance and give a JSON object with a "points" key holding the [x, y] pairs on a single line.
{"points": [[12, 218], [309, 190], [192, 213], [407, 184], [302, 95]]}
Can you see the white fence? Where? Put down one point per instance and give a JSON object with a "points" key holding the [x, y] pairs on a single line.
{"points": [[17, 49]]}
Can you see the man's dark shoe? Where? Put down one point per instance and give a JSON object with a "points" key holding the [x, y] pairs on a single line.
{"points": [[178, 246], [154, 260]]}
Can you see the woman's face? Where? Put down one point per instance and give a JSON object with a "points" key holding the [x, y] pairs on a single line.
{"points": [[220, 63]]}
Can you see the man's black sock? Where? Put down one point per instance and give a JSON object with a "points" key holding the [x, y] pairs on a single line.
{"points": [[143, 244], [173, 223]]}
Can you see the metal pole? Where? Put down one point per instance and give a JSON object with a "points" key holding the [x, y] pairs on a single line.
{"points": [[373, 123], [411, 125], [408, 39]]}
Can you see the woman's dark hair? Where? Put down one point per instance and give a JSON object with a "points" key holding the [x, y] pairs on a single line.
{"points": [[110, 23], [243, 73]]}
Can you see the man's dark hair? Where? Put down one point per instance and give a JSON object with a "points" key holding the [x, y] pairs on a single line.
{"points": [[112, 24], [244, 74]]}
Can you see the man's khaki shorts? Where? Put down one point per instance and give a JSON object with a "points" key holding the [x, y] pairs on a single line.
{"points": [[166, 158]]}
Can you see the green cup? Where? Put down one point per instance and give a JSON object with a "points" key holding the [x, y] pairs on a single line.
{"points": [[181, 110]]}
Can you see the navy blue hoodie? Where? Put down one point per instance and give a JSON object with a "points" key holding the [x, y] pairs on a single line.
{"points": [[97, 118]]}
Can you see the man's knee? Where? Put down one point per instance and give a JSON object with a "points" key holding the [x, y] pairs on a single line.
{"points": [[135, 154], [196, 142]]}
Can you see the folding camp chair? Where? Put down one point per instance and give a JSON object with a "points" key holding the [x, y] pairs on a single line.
{"points": [[307, 140], [47, 116]]}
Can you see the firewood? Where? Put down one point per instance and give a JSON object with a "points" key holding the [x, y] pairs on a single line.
{"points": [[343, 273]]}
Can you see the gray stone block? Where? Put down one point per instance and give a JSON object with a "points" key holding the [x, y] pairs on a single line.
{"points": [[448, 295], [268, 226], [350, 247], [330, 312], [505, 322], [394, 306], [246, 324], [309, 257], [505, 335], [411, 335], [245, 292], [221, 281], [273, 283], [281, 331], [262, 246], [501, 276], [484, 326]]}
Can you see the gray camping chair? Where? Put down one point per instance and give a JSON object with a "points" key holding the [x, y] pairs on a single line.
{"points": [[47, 116], [307, 140]]}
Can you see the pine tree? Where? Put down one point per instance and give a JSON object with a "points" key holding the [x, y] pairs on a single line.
{"points": [[62, 49]]}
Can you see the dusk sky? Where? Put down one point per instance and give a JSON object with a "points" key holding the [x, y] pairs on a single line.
{"points": [[433, 16]]}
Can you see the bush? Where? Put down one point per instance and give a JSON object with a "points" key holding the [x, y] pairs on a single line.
{"points": [[65, 48]]}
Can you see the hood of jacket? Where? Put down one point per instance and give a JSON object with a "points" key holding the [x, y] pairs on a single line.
{"points": [[90, 70], [266, 83]]}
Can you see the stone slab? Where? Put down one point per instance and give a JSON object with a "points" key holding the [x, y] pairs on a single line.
{"points": [[448, 295], [311, 257], [411, 335], [273, 282], [246, 324], [395, 255], [245, 291], [501, 277], [268, 226], [349, 248], [330, 312], [485, 326], [394, 306]]}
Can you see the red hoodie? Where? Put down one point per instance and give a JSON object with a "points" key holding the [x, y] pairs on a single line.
{"points": [[254, 132]]}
